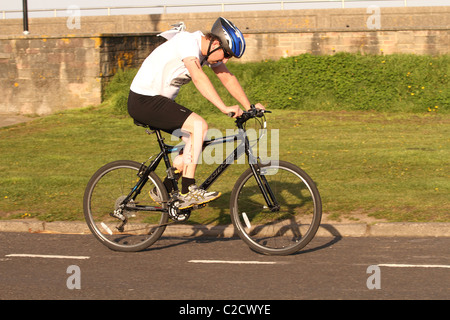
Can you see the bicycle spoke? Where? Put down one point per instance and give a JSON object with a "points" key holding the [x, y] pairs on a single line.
{"points": [[115, 223]]}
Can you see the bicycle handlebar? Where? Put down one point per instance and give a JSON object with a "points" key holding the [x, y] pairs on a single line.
{"points": [[252, 113]]}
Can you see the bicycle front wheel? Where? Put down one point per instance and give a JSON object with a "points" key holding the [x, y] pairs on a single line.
{"points": [[106, 192], [292, 221]]}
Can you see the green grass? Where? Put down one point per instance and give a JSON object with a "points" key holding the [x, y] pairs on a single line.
{"points": [[392, 166], [372, 131]]}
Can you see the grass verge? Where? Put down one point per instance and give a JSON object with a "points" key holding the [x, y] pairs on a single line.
{"points": [[391, 166]]}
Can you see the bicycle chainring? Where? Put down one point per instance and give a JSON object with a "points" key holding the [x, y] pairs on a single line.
{"points": [[176, 214]]}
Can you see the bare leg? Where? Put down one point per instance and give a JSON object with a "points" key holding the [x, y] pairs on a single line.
{"points": [[191, 195], [178, 161], [197, 128]]}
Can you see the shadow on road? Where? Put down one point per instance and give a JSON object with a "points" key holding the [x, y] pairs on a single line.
{"points": [[316, 244]]}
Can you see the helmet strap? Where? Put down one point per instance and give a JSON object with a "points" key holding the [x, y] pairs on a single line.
{"points": [[210, 52]]}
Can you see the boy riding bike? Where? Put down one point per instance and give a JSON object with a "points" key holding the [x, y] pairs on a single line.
{"points": [[157, 83]]}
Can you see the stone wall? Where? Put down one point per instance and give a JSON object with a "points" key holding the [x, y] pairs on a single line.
{"points": [[273, 46], [402, 18], [56, 67], [41, 75], [122, 51]]}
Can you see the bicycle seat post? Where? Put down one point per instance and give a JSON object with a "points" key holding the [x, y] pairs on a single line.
{"points": [[160, 140], [165, 153]]}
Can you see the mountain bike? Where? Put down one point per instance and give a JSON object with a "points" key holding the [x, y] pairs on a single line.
{"points": [[275, 206]]}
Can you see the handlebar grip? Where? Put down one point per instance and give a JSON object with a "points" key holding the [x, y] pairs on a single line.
{"points": [[231, 114]]}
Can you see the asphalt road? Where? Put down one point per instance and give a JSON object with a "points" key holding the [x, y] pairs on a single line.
{"points": [[50, 266]]}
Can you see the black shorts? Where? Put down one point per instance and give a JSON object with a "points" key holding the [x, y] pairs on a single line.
{"points": [[157, 111]]}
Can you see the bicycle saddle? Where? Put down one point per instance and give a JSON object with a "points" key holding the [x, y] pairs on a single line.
{"points": [[140, 124]]}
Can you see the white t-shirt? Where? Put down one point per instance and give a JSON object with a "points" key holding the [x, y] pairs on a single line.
{"points": [[163, 71]]}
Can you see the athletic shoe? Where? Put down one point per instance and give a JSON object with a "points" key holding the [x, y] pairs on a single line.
{"points": [[196, 196]]}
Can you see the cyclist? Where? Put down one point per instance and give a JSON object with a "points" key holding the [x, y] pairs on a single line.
{"points": [[157, 83]]}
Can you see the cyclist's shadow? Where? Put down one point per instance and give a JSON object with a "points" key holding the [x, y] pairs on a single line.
{"points": [[219, 228]]}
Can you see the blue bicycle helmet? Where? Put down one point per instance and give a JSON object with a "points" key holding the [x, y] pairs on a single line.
{"points": [[231, 37]]}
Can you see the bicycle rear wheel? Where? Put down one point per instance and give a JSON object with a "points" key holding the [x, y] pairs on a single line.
{"points": [[106, 191], [288, 227]]}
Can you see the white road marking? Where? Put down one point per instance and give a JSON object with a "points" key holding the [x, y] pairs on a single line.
{"points": [[25, 255], [232, 262], [393, 265]]}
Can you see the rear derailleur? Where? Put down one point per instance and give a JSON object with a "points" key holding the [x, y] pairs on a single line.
{"points": [[122, 212]]}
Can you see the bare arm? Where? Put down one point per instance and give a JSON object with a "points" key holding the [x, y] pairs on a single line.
{"points": [[205, 87], [202, 82], [232, 84]]}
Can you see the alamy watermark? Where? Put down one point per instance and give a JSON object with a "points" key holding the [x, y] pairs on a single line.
{"points": [[74, 19], [74, 280], [374, 280], [264, 146], [374, 20]]}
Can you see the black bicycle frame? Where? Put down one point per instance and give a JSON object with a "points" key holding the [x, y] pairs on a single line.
{"points": [[243, 147]]}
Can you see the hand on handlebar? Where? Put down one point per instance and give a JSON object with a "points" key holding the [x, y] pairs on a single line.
{"points": [[259, 106], [234, 111], [257, 110]]}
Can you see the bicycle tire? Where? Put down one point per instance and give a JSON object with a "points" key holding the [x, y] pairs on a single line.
{"points": [[104, 192], [290, 228]]}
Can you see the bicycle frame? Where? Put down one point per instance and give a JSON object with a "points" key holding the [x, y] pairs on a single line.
{"points": [[243, 147]]}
